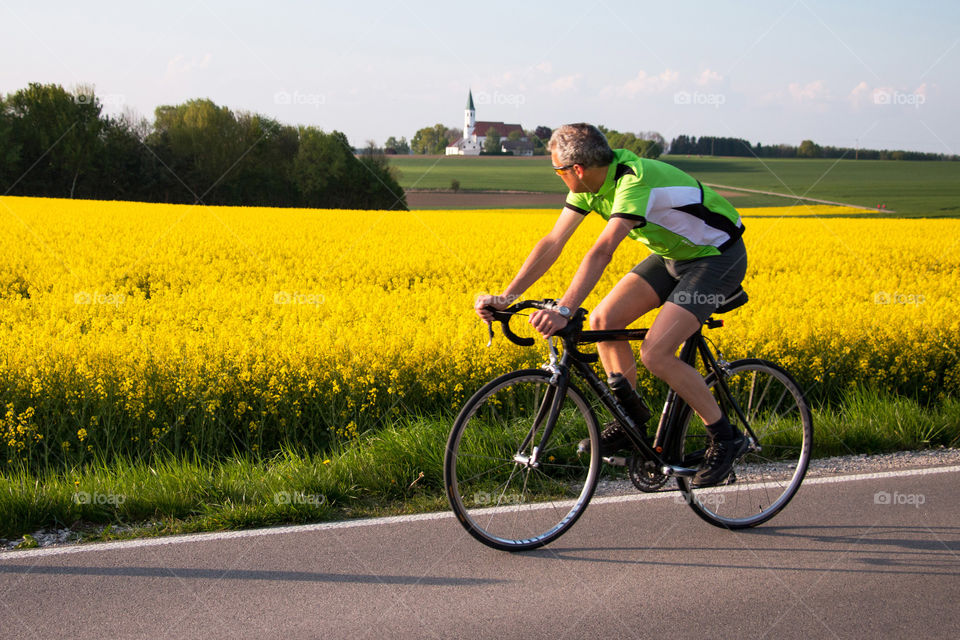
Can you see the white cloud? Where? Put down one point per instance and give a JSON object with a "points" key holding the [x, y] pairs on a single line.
{"points": [[708, 77], [811, 96], [565, 83], [859, 94], [811, 92], [644, 83], [519, 79], [865, 95], [179, 65]]}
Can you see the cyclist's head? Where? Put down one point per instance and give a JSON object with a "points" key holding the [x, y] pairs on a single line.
{"points": [[582, 144]]}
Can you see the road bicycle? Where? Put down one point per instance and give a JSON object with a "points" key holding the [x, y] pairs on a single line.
{"points": [[517, 476]]}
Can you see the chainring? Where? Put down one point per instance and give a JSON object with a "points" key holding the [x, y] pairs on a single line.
{"points": [[645, 475]]}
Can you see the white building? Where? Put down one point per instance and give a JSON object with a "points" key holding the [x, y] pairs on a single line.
{"points": [[475, 134]]}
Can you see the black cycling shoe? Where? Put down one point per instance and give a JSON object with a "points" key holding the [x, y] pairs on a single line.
{"points": [[718, 461], [612, 439]]}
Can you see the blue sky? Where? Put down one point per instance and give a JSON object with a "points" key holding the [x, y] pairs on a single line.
{"points": [[873, 74]]}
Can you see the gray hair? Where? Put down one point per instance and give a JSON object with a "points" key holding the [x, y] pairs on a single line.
{"points": [[582, 144]]}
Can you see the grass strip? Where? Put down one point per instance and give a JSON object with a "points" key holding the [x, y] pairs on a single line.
{"points": [[396, 470]]}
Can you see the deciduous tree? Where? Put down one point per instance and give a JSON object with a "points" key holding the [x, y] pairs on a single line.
{"points": [[430, 140]]}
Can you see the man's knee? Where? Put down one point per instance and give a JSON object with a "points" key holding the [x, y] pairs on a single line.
{"points": [[601, 319], [609, 316], [654, 358]]}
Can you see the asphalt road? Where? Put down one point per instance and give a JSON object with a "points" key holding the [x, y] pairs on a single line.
{"points": [[839, 562]]}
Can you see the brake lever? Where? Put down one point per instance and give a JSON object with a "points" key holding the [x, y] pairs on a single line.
{"points": [[489, 333]]}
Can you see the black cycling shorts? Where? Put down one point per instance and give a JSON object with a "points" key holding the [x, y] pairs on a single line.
{"points": [[699, 285]]}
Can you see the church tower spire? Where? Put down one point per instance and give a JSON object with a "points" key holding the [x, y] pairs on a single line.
{"points": [[469, 117]]}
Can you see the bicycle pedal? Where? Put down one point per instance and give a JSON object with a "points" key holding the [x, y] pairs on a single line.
{"points": [[616, 461]]}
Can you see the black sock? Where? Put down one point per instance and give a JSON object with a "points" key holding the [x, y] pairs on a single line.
{"points": [[721, 430]]}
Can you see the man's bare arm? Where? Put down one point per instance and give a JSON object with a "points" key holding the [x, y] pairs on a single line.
{"points": [[594, 263], [548, 321], [541, 258], [545, 253]]}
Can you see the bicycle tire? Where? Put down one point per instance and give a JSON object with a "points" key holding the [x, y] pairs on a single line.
{"points": [[501, 502], [765, 479]]}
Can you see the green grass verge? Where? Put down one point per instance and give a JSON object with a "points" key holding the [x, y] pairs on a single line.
{"points": [[393, 471], [910, 188]]}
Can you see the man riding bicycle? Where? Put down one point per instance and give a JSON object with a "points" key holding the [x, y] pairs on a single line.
{"points": [[698, 260]]}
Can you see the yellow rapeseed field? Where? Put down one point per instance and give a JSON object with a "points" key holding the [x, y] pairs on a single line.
{"points": [[129, 328]]}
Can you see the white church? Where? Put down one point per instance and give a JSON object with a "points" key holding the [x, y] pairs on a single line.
{"points": [[475, 134]]}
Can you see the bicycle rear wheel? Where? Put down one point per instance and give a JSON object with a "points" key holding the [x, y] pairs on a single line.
{"points": [[502, 499], [764, 479]]}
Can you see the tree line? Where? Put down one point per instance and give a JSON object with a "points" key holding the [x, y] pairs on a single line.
{"points": [[56, 143], [434, 140], [718, 146]]}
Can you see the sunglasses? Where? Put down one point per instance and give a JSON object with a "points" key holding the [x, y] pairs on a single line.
{"points": [[559, 170]]}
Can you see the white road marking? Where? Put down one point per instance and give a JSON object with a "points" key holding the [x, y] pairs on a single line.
{"points": [[371, 522]]}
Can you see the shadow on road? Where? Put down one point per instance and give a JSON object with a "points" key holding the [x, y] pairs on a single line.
{"points": [[934, 538], [848, 548]]}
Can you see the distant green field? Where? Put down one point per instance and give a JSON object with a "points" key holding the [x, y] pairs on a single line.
{"points": [[909, 188], [477, 173]]}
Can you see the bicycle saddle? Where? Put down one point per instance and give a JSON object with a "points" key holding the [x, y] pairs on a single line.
{"points": [[736, 299]]}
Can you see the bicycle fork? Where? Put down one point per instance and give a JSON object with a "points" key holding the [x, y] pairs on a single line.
{"points": [[549, 409]]}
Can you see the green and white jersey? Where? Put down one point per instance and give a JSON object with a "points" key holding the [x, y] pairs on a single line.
{"points": [[675, 216]]}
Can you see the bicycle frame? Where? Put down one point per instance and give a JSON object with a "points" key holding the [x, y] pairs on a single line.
{"points": [[674, 410]]}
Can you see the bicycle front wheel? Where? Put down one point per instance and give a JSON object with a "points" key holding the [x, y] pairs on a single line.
{"points": [[780, 427], [504, 496]]}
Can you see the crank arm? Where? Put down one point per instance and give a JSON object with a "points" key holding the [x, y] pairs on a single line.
{"points": [[616, 461], [683, 472]]}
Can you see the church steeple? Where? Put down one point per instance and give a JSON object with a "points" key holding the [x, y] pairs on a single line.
{"points": [[469, 117]]}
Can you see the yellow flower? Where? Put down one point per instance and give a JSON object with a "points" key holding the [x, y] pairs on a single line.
{"points": [[268, 322]]}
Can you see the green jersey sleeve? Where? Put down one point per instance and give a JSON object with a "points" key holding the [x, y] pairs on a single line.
{"points": [[630, 200], [579, 202]]}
